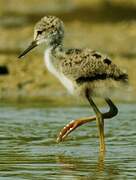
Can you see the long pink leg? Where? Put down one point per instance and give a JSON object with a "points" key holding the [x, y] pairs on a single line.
{"points": [[64, 132], [72, 126]]}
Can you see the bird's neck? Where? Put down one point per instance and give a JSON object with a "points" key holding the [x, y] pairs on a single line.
{"points": [[53, 55], [56, 50], [56, 42]]}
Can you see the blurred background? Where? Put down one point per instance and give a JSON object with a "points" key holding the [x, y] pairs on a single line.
{"points": [[34, 106], [108, 26]]}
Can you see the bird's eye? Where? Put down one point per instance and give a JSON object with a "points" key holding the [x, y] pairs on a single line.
{"points": [[39, 32]]}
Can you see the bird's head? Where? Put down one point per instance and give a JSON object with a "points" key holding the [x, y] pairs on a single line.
{"points": [[49, 30]]}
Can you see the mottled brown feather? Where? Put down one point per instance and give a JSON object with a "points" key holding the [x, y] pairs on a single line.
{"points": [[89, 65]]}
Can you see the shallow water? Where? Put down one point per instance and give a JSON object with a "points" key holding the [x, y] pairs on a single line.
{"points": [[28, 149]]}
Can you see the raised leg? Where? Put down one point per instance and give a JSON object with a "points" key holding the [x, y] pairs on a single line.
{"points": [[113, 110], [78, 122], [72, 126]]}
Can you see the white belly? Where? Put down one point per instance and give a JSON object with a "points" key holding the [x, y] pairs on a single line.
{"points": [[64, 80]]}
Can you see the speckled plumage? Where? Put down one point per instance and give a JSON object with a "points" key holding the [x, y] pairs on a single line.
{"points": [[81, 71], [83, 67], [76, 68], [90, 69], [50, 28], [87, 63]]}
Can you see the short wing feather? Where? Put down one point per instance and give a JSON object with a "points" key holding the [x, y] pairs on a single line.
{"points": [[86, 63]]}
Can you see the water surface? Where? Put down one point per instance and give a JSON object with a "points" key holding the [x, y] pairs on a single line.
{"points": [[28, 149]]}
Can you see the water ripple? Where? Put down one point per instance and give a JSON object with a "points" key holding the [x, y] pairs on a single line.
{"points": [[28, 149]]}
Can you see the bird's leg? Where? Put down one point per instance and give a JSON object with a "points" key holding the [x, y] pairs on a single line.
{"points": [[72, 126], [100, 123], [78, 122], [113, 109]]}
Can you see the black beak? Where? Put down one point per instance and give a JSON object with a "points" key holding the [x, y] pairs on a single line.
{"points": [[30, 47]]}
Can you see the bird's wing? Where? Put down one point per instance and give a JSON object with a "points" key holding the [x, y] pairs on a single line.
{"points": [[86, 65]]}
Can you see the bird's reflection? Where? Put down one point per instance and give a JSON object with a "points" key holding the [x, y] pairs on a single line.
{"points": [[69, 163], [100, 163], [88, 167]]}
